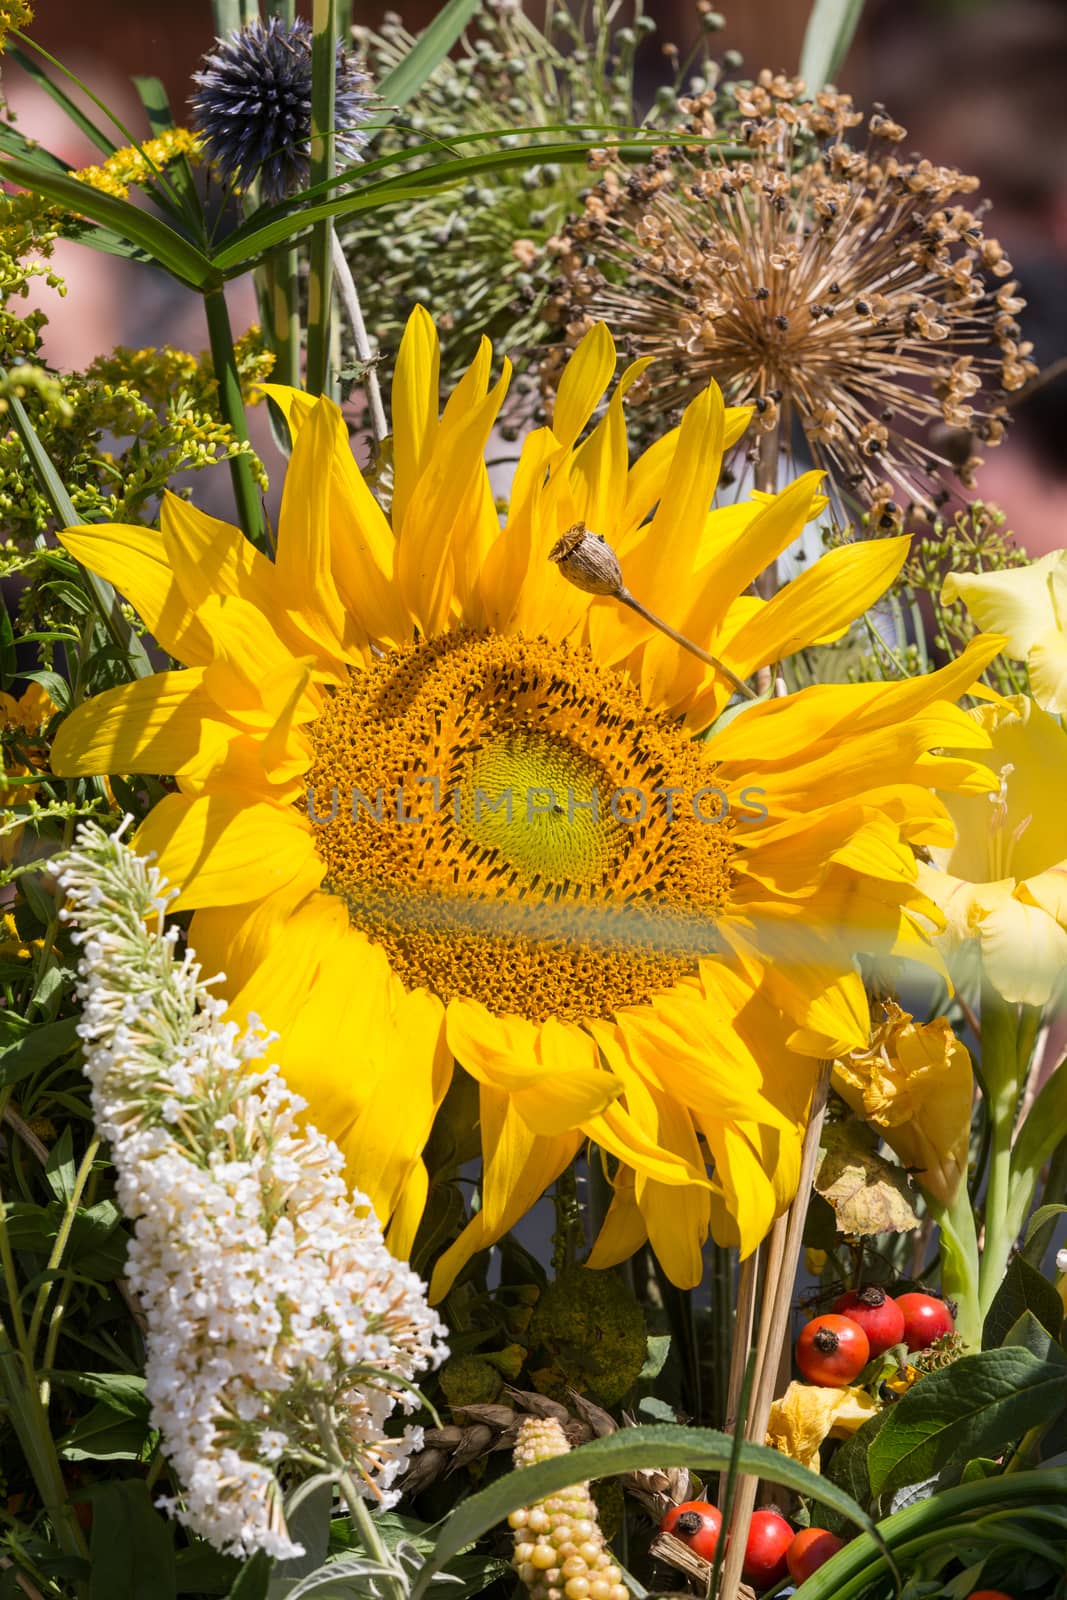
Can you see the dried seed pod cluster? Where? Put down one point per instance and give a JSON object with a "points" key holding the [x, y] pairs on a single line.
{"points": [[824, 280], [560, 1552]]}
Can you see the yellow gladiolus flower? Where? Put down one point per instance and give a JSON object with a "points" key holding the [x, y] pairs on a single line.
{"points": [[1029, 606], [914, 1083], [1002, 887], [806, 1415], [435, 803]]}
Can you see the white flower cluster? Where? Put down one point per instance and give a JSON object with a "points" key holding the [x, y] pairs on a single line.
{"points": [[270, 1298]]}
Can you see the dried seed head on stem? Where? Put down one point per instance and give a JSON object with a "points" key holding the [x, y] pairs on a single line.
{"points": [[832, 283]]}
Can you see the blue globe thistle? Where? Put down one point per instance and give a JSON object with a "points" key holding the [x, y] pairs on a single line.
{"points": [[253, 106]]}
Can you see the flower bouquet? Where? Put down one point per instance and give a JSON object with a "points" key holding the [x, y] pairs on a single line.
{"points": [[533, 867]]}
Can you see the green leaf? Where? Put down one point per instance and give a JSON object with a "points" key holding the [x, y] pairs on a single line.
{"points": [[132, 1546], [83, 123], [977, 1406], [38, 1048], [831, 26], [60, 1169], [1036, 1239], [104, 1434], [253, 1580], [1030, 1334], [201, 1571], [123, 1391], [848, 1468], [1023, 1288], [8, 659], [422, 60], [167, 248], [658, 1445], [244, 248], [179, 177]]}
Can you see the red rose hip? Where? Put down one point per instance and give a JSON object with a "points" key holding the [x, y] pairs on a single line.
{"points": [[880, 1317], [809, 1550], [925, 1319], [697, 1524], [769, 1537], [832, 1350]]}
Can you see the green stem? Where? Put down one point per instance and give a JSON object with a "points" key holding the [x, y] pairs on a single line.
{"points": [[58, 1248], [960, 1267], [1000, 1072], [103, 595], [358, 1510], [29, 1418], [323, 114], [231, 405], [281, 276]]}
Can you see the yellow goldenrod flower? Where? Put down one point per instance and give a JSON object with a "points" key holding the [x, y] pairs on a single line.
{"points": [[1002, 887], [560, 1551], [436, 804], [807, 1414], [25, 718], [136, 165], [1029, 605], [914, 1083], [13, 14]]}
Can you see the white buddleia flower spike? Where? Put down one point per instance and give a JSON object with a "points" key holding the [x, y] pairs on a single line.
{"points": [[268, 1293]]}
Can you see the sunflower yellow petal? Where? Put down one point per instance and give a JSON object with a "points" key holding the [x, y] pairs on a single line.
{"points": [[549, 1069], [416, 386], [165, 723], [585, 377], [219, 850], [623, 1231], [135, 561]]}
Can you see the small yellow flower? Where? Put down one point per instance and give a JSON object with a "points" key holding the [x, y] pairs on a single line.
{"points": [[13, 14], [27, 716], [914, 1084], [807, 1414], [1003, 886], [1029, 605], [136, 165]]}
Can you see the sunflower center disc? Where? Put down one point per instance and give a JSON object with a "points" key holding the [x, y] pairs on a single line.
{"points": [[512, 825]]}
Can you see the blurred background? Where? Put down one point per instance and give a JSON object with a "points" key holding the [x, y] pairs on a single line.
{"points": [[980, 84]]}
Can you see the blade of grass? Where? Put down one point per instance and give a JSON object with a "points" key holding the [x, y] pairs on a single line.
{"points": [[81, 121], [407, 78], [180, 174], [52, 487], [323, 167], [242, 250], [831, 26], [167, 248]]}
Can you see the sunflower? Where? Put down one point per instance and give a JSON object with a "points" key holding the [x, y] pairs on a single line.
{"points": [[436, 805]]}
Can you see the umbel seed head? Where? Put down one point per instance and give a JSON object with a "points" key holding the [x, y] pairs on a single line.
{"points": [[588, 561]]}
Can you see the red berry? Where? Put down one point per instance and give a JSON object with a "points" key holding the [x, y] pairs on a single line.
{"points": [[832, 1350], [769, 1537], [989, 1594], [880, 1318], [925, 1319], [697, 1524], [810, 1548]]}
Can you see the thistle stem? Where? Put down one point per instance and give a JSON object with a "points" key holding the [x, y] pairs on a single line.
{"points": [[231, 405], [627, 599], [346, 288]]}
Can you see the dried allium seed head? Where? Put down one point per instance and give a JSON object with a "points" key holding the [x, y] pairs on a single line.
{"points": [[560, 1552], [825, 271], [588, 561]]}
